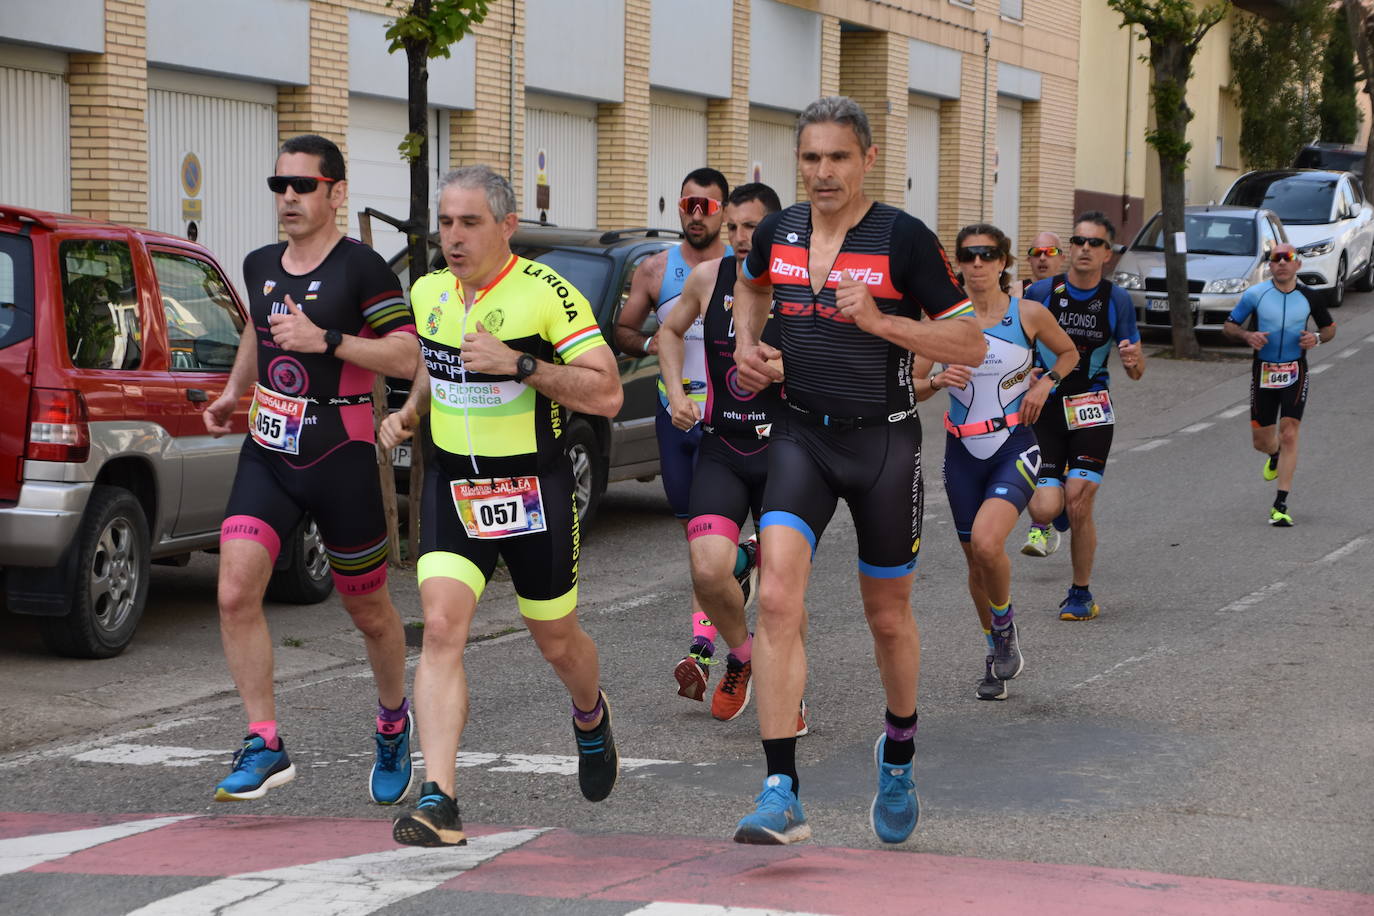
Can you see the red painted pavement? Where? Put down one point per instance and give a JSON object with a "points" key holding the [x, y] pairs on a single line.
{"points": [[563, 864]]}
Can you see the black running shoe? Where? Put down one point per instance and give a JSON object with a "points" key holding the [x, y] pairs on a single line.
{"points": [[1006, 653], [598, 762], [991, 687], [434, 822]]}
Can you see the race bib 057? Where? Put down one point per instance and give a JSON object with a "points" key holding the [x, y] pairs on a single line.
{"points": [[499, 508]]}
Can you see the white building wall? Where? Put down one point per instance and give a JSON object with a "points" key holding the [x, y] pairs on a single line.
{"points": [[35, 161]]}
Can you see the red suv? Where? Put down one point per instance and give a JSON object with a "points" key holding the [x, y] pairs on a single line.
{"points": [[112, 340]]}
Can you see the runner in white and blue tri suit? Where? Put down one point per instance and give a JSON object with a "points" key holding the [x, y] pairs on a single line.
{"points": [[1280, 309], [991, 456], [1075, 429]]}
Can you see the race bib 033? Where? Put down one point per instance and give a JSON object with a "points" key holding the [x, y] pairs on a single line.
{"points": [[1091, 408]]}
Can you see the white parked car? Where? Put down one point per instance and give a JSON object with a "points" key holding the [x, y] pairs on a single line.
{"points": [[1328, 221], [1227, 247]]}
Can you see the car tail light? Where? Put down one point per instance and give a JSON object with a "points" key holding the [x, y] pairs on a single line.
{"points": [[58, 428]]}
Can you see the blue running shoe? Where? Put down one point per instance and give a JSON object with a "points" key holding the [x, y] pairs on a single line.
{"points": [[895, 808], [1079, 605], [392, 772], [777, 819], [256, 769]]}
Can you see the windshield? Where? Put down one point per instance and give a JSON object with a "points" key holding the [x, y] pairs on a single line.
{"points": [[1296, 199], [1208, 233], [590, 273]]}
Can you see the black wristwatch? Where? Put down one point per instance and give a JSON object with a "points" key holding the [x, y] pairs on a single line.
{"points": [[1055, 377], [332, 339], [525, 365]]}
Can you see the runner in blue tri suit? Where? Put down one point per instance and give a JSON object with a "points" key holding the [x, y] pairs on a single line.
{"points": [[1280, 309], [991, 456], [1075, 428], [657, 284]]}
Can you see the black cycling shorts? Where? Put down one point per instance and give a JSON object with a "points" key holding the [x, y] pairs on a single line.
{"points": [[875, 469], [542, 565], [727, 485], [1009, 473], [343, 494], [1067, 454], [1268, 404]]}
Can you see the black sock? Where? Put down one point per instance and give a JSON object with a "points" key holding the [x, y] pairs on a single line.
{"points": [[899, 752], [782, 759], [1274, 459], [1281, 501]]}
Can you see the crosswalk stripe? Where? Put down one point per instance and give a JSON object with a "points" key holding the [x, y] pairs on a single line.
{"points": [[702, 909], [350, 886], [23, 852]]}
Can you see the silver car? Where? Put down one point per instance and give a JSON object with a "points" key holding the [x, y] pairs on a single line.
{"points": [[1327, 218], [1227, 252]]}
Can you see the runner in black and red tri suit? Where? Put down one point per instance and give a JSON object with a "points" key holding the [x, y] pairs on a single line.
{"points": [[327, 314], [852, 280]]}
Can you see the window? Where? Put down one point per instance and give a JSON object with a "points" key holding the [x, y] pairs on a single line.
{"points": [[16, 290], [203, 323], [100, 298], [1011, 9]]}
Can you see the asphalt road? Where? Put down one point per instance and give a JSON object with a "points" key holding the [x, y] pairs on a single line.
{"points": [[1212, 723]]}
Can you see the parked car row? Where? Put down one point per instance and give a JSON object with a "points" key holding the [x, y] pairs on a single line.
{"points": [[1322, 213]]}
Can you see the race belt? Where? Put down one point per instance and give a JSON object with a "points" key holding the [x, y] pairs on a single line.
{"points": [[821, 419], [982, 427]]}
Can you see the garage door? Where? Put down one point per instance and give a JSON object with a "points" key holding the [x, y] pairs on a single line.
{"points": [[377, 175], [772, 155], [1006, 201], [923, 161], [233, 141], [36, 159], [677, 145], [564, 130]]}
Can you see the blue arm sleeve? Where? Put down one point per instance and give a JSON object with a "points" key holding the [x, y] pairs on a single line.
{"points": [[1123, 316], [1245, 307]]}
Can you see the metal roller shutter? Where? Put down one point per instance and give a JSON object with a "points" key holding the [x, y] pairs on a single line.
{"points": [[1006, 199], [36, 158], [565, 130], [923, 161], [377, 175], [772, 152], [677, 145]]}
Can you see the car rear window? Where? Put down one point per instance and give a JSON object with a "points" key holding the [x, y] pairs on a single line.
{"points": [[1296, 200], [100, 295], [16, 290], [590, 273]]}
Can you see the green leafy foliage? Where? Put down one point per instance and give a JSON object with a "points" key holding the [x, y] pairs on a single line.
{"points": [[409, 147], [1339, 115], [434, 25], [1276, 78]]}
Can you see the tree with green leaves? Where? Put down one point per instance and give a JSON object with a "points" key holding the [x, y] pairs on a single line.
{"points": [[1174, 30], [1339, 115], [1275, 74], [425, 29]]}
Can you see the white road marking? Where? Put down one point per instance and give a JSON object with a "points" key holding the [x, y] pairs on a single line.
{"points": [[1253, 598], [1318, 370], [1133, 660], [1152, 444], [1369, 339], [1196, 428], [69, 750], [1232, 412], [703, 909], [1344, 551], [350, 886], [1347, 352], [24, 852], [149, 755]]}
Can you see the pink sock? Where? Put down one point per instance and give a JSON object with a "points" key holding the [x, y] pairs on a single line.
{"points": [[267, 731], [703, 627], [392, 721], [744, 652]]}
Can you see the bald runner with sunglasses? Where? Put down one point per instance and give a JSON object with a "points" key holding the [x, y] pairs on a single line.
{"points": [[1044, 258], [657, 285], [1279, 310], [327, 314], [1075, 427]]}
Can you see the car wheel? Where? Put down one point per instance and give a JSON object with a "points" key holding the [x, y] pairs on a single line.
{"points": [[589, 469], [1366, 282], [109, 571], [305, 579], [1338, 289]]}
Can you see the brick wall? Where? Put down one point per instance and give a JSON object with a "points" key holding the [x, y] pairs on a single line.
{"points": [[321, 107], [727, 120], [966, 152], [109, 127], [622, 174], [873, 72], [493, 133]]}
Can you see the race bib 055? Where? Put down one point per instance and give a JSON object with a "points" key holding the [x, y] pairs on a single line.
{"points": [[275, 420]]}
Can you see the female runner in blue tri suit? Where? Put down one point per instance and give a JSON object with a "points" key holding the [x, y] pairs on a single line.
{"points": [[991, 456]]}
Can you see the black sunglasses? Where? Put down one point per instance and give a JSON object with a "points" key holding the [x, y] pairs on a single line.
{"points": [[985, 253], [301, 184], [1081, 240]]}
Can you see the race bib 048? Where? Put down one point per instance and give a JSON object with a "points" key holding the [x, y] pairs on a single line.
{"points": [[499, 508], [1278, 375], [275, 420], [1091, 408]]}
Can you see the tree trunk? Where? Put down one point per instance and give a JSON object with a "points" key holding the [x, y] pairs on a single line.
{"points": [[417, 66], [1170, 62]]}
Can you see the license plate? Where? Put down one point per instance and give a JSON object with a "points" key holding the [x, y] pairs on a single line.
{"points": [[1158, 305], [400, 456]]}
